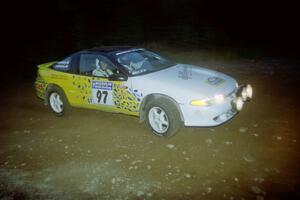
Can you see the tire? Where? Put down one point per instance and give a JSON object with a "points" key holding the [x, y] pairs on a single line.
{"points": [[57, 101], [163, 117]]}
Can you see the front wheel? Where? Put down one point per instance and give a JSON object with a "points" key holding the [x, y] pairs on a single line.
{"points": [[163, 117]]}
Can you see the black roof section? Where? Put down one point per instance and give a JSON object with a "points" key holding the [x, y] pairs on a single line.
{"points": [[111, 49]]}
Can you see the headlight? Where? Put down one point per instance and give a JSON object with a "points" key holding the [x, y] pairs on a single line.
{"points": [[249, 91], [244, 94], [239, 103], [218, 99]]}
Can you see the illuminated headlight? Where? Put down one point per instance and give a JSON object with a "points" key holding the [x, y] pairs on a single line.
{"points": [[249, 91], [244, 94], [218, 99], [239, 103]]}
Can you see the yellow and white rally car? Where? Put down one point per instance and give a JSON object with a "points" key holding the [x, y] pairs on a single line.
{"points": [[139, 82]]}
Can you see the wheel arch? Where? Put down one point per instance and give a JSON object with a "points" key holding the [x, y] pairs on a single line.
{"points": [[156, 96], [52, 86]]}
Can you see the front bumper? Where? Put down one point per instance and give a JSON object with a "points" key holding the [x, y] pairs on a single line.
{"points": [[216, 114]]}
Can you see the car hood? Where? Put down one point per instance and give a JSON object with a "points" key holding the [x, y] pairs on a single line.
{"points": [[184, 82]]}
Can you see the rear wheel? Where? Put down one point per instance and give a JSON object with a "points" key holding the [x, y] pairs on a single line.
{"points": [[57, 101], [163, 117]]}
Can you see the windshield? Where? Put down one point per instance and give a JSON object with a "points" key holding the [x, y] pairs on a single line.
{"points": [[141, 62]]}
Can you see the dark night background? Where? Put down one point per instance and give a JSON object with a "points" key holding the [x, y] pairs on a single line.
{"points": [[45, 30]]}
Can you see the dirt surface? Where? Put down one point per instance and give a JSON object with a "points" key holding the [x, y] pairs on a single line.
{"points": [[89, 154]]}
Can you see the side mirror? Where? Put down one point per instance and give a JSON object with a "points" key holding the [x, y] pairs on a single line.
{"points": [[118, 77]]}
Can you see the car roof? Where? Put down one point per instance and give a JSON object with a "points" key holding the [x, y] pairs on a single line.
{"points": [[111, 49]]}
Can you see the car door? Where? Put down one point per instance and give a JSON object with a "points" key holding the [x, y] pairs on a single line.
{"points": [[100, 92]]}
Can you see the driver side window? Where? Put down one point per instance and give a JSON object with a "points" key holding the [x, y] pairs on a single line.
{"points": [[95, 65]]}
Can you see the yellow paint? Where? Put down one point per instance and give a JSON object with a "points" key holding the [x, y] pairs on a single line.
{"points": [[78, 90]]}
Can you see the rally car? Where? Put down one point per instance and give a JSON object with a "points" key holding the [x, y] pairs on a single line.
{"points": [[142, 83]]}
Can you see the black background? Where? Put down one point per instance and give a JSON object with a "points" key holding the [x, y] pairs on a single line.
{"points": [[40, 31]]}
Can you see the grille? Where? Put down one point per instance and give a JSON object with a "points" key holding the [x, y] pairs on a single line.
{"points": [[231, 95]]}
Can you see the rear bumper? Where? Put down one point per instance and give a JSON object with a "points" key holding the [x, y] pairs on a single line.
{"points": [[212, 115], [40, 87]]}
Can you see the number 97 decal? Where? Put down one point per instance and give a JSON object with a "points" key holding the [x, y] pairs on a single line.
{"points": [[99, 96], [104, 97], [102, 93]]}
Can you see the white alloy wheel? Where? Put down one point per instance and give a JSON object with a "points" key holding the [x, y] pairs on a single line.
{"points": [[55, 102], [158, 120]]}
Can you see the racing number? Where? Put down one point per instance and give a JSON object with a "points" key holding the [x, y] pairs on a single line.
{"points": [[99, 96], [102, 93]]}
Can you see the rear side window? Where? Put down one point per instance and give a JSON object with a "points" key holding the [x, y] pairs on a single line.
{"points": [[63, 65], [87, 63]]}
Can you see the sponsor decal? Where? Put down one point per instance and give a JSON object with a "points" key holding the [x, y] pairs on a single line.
{"points": [[185, 73], [102, 85], [128, 51], [215, 81], [62, 64]]}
